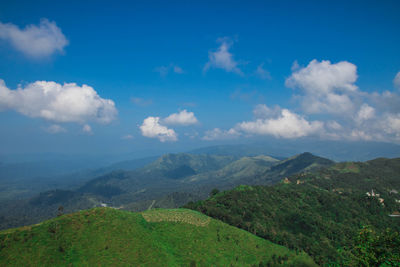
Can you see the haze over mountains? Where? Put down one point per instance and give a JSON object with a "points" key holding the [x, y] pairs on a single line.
{"points": [[170, 181], [304, 202], [50, 171], [200, 133]]}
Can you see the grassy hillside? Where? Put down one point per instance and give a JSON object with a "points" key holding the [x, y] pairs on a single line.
{"points": [[109, 237], [169, 182], [317, 212]]}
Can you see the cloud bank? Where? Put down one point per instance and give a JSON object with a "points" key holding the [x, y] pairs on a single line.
{"points": [[326, 91], [35, 41], [285, 124], [56, 102]]}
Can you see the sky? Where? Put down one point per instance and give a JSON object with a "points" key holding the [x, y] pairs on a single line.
{"points": [[102, 77]]}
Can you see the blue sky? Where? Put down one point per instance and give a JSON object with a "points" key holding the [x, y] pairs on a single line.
{"points": [[230, 71]]}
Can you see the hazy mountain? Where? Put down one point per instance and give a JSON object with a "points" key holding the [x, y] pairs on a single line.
{"points": [[335, 150], [170, 181], [24, 180]]}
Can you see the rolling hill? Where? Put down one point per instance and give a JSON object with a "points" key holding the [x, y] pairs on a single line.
{"points": [[169, 182], [319, 212], [110, 237]]}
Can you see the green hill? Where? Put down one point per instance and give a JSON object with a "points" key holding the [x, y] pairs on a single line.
{"points": [[318, 212], [169, 182], [110, 237]]}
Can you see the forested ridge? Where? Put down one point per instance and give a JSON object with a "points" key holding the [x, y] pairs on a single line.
{"points": [[322, 212]]}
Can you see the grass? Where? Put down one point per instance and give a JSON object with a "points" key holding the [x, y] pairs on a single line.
{"points": [[347, 167], [109, 237]]}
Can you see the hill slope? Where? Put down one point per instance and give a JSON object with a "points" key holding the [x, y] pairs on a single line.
{"points": [[109, 237], [169, 182], [318, 212]]}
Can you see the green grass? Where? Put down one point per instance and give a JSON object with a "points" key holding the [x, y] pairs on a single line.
{"points": [[347, 167], [109, 237]]}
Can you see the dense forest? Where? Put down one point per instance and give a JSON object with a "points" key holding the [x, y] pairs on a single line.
{"points": [[320, 212]]}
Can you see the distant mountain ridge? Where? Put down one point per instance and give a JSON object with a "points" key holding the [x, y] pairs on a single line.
{"points": [[165, 182]]}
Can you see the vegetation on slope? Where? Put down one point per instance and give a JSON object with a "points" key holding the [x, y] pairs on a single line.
{"points": [[109, 237], [320, 212], [169, 182]]}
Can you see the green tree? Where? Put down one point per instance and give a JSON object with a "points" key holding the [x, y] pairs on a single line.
{"points": [[372, 249]]}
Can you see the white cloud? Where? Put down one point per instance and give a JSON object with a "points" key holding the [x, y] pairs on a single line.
{"points": [[338, 108], [181, 118], [87, 129], [285, 125], [334, 125], [35, 41], [359, 135], [396, 80], [386, 101], [55, 102], [222, 58], [366, 112], [263, 73], [324, 77], [262, 111], [325, 86], [55, 128], [218, 134], [391, 125], [153, 129]]}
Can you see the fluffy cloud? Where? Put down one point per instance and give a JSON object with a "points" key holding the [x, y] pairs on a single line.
{"points": [[338, 108], [152, 128], [326, 87], [286, 125], [181, 118], [263, 112], [386, 101], [366, 112], [35, 41], [222, 58], [391, 125], [218, 134], [396, 80], [277, 122], [56, 102]]}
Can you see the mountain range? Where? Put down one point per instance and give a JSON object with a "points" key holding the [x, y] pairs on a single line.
{"points": [[169, 182]]}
